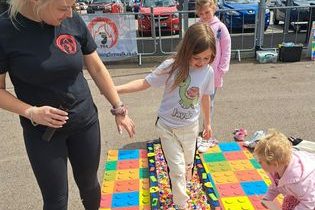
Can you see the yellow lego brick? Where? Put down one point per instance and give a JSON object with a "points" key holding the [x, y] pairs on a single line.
{"points": [[214, 149], [127, 174], [238, 165], [264, 176], [144, 185], [218, 166], [237, 203], [109, 176], [224, 177], [143, 163], [144, 200], [280, 198], [104, 209], [248, 154], [107, 187], [112, 155]]}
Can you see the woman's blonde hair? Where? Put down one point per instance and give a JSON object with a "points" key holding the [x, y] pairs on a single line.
{"points": [[275, 148], [205, 3], [17, 5], [198, 38]]}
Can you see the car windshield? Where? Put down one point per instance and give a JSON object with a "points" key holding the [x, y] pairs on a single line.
{"points": [[158, 3], [242, 1]]}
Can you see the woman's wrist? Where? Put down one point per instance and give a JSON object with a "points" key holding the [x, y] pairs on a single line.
{"points": [[30, 115], [120, 110]]}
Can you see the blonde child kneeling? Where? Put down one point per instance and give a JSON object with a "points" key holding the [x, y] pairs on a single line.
{"points": [[292, 172]]}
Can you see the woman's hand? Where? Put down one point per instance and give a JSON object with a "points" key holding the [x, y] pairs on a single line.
{"points": [[126, 123], [48, 116]]}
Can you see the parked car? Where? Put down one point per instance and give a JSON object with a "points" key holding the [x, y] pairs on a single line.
{"points": [[299, 17], [242, 16], [133, 6], [106, 6], [81, 6], [165, 9]]}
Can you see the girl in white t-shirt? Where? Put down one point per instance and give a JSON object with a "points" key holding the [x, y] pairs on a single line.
{"points": [[188, 81]]}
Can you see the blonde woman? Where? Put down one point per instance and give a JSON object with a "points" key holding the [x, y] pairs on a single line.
{"points": [[187, 79], [292, 172], [43, 48]]}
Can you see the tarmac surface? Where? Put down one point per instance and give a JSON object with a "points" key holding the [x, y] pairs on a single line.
{"points": [[255, 97]]}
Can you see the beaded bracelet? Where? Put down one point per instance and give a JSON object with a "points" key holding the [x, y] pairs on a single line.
{"points": [[31, 116], [120, 110]]}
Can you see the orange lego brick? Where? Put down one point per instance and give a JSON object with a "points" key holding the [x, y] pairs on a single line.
{"points": [[247, 175], [126, 185], [235, 155]]}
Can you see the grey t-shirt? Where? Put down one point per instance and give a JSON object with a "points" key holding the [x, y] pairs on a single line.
{"points": [[181, 106]]}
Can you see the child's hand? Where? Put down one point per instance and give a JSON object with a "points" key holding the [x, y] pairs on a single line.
{"points": [[207, 132]]}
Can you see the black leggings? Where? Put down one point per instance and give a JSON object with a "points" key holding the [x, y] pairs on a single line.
{"points": [[49, 163]]}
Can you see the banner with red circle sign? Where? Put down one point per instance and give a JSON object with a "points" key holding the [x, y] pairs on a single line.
{"points": [[114, 34]]}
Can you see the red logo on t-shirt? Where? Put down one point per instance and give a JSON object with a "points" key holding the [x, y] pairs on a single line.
{"points": [[66, 43]]}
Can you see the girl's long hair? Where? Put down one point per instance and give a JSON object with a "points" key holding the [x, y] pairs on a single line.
{"points": [[198, 38]]}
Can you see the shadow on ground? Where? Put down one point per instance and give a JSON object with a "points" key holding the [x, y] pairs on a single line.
{"points": [[139, 145]]}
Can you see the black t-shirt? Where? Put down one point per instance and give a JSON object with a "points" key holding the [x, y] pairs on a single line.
{"points": [[45, 65]]}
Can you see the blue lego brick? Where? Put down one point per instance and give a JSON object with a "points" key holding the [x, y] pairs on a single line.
{"points": [[254, 187], [128, 154], [229, 147], [120, 200], [213, 157], [255, 163]]}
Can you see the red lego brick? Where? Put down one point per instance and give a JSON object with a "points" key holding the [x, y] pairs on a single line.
{"points": [[127, 164], [226, 190], [256, 202], [143, 153], [106, 201]]}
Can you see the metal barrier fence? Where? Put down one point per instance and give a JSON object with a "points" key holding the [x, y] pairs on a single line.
{"points": [[265, 28]]}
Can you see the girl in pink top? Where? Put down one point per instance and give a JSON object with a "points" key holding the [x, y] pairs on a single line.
{"points": [[292, 172], [206, 9]]}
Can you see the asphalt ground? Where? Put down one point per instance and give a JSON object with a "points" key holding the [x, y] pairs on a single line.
{"points": [[255, 97]]}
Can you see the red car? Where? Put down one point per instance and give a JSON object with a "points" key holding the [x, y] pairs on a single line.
{"points": [[165, 9]]}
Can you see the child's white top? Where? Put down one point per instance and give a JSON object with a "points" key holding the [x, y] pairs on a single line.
{"points": [[181, 106]]}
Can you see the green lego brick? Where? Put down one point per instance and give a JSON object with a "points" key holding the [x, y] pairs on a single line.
{"points": [[143, 173], [213, 157], [111, 165], [255, 163]]}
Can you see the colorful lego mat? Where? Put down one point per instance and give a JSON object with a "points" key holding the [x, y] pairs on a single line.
{"points": [[125, 183], [199, 189], [225, 177], [237, 177]]}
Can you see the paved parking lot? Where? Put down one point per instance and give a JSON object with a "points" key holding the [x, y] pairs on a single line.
{"points": [[255, 96]]}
